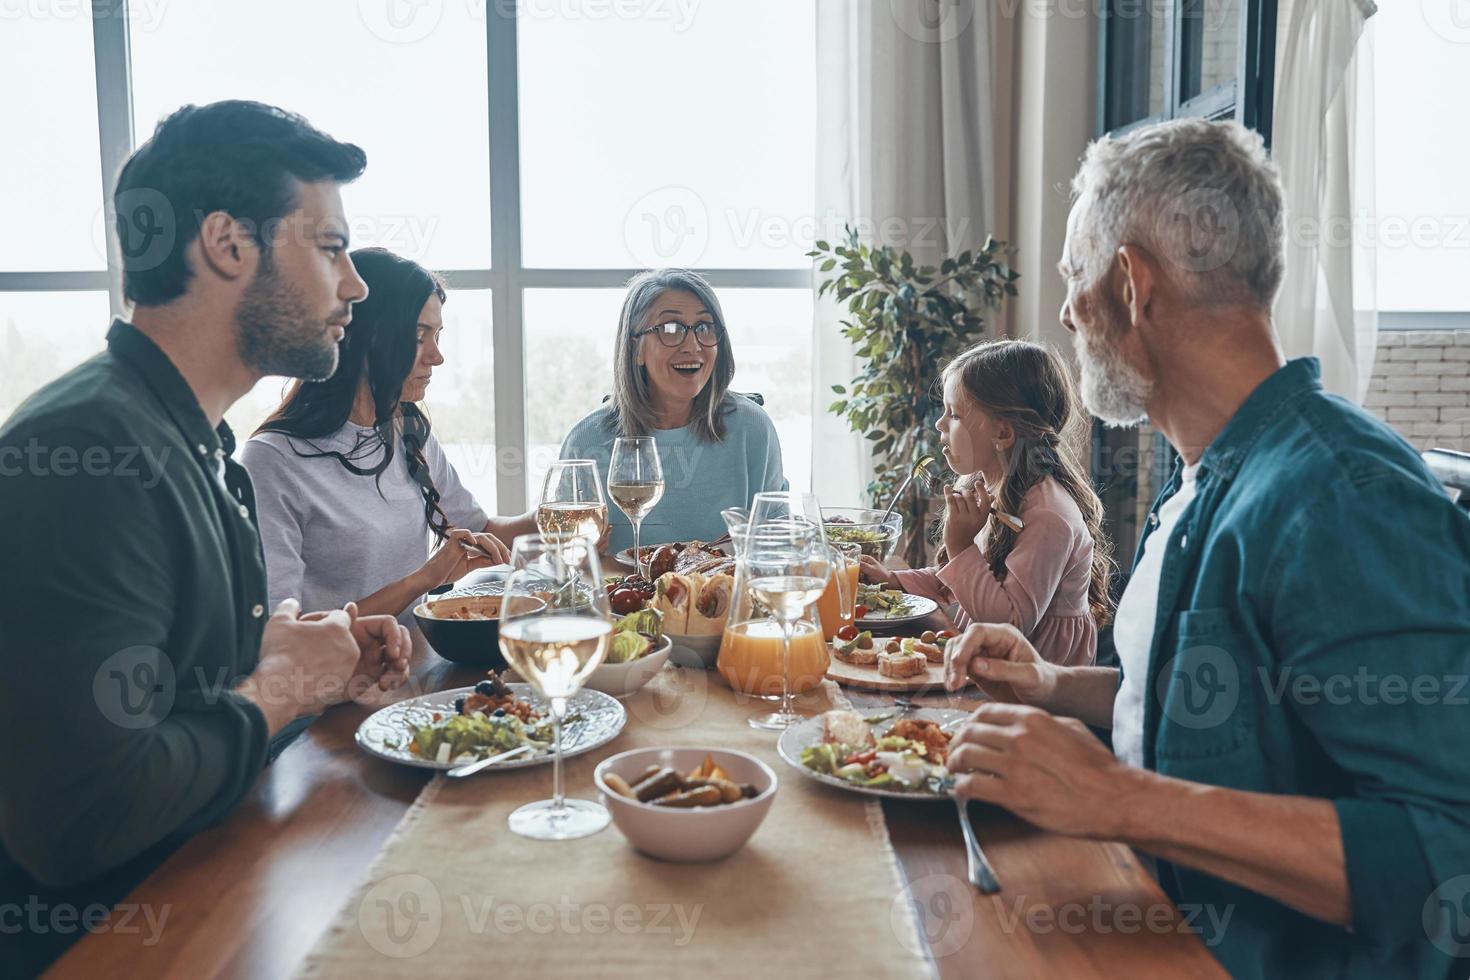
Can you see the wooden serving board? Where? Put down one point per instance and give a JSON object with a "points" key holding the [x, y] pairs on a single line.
{"points": [[868, 678]]}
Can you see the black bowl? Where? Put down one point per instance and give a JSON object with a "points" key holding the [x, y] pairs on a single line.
{"points": [[471, 642]]}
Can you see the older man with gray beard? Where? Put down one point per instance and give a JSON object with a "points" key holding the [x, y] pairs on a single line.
{"points": [[1288, 724]]}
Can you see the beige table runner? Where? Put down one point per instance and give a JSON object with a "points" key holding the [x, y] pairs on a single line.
{"points": [[816, 892]]}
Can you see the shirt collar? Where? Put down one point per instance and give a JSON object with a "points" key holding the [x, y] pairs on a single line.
{"points": [[1230, 448], [131, 345]]}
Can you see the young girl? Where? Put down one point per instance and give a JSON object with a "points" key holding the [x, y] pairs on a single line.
{"points": [[1007, 404]]}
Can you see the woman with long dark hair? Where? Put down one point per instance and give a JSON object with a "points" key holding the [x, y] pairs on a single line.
{"points": [[351, 486]]}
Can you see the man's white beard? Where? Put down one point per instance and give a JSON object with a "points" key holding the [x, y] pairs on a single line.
{"points": [[1112, 389]]}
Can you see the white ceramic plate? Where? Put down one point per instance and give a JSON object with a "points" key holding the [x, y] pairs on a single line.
{"points": [[602, 717], [919, 607], [808, 733]]}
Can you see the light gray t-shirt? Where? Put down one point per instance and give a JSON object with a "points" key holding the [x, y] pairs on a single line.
{"points": [[329, 536], [700, 478]]}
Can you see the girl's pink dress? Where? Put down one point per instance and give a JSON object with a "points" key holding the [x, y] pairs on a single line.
{"points": [[1044, 594]]}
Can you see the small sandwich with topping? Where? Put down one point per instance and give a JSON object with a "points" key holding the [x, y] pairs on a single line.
{"points": [[852, 647], [931, 652], [900, 664]]}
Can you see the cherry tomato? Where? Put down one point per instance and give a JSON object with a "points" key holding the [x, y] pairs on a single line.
{"points": [[848, 632], [859, 611], [947, 634]]}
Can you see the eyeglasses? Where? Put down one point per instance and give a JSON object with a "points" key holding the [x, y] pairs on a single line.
{"points": [[672, 334]]}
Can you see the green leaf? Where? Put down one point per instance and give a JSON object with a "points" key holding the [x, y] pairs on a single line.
{"points": [[828, 266], [823, 246], [839, 389]]}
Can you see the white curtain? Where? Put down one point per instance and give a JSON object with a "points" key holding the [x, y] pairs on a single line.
{"points": [[905, 152], [1322, 139]]}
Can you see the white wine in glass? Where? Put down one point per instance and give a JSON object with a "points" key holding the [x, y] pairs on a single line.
{"points": [[555, 644], [635, 481], [565, 519], [571, 501], [555, 653]]}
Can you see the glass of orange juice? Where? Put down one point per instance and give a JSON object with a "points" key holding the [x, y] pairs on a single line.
{"points": [[836, 604]]}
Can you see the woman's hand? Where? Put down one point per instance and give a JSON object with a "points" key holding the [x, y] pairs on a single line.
{"points": [[870, 570], [1002, 661], [450, 561], [965, 515]]}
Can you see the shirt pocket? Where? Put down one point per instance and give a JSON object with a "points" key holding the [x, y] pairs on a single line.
{"points": [[1203, 688]]}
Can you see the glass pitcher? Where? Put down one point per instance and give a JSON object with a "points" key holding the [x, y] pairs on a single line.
{"points": [[751, 647]]}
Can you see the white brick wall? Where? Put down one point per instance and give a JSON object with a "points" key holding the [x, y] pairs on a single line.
{"points": [[1421, 386]]}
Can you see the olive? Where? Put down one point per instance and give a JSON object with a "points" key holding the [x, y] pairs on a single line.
{"points": [[498, 713], [625, 601], [459, 704], [485, 688]]}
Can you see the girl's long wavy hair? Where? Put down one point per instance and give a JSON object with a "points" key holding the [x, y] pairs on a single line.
{"points": [[380, 345], [1028, 386]]}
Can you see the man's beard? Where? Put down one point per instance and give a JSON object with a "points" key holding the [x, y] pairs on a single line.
{"points": [[276, 334], [1112, 389]]}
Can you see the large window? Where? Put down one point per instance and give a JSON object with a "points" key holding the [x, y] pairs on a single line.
{"points": [[536, 153], [1163, 59], [1423, 199]]}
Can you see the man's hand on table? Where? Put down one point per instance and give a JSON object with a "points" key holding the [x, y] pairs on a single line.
{"points": [[309, 663], [384, 646], [1051, 771]]}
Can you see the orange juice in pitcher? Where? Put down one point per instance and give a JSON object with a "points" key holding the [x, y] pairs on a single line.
{"points": [[750, 657], [835, 607]]}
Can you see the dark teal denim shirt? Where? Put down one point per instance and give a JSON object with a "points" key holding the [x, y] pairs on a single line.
{"points": [[1313, 639]]}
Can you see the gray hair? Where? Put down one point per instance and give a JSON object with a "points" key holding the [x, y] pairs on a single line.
{"points": [[632, 405], [1202, 197]]}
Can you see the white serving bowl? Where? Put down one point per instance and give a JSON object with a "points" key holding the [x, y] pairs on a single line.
{"points": [[621, 680], [699, 651], [698, 833]]}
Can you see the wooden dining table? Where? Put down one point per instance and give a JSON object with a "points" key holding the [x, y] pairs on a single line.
{"points": [[252, 895]]}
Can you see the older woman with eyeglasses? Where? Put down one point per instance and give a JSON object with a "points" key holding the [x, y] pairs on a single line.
{"points": [[672, 367]]}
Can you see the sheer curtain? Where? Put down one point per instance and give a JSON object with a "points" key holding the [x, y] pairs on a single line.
{"points": [[906, 152], [1322, 139]]}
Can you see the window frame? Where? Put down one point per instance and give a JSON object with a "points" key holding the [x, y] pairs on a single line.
{"points": [[1248, 100], [507, 275]]}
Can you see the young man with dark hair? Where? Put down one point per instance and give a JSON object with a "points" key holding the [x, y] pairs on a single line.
{"points": [[144, 680]]}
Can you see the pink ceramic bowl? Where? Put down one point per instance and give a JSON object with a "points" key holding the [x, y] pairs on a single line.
{"points": [[696, 834]]}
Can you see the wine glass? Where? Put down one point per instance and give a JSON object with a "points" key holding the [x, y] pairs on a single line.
{"points": [[555, 643], [788, 566], [635, 481], [571, 501]]}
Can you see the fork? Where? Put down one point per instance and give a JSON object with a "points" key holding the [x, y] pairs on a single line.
{"points": [[981, 874]]}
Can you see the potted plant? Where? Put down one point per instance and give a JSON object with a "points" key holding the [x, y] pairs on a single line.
{"points": [[906, 320]]}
